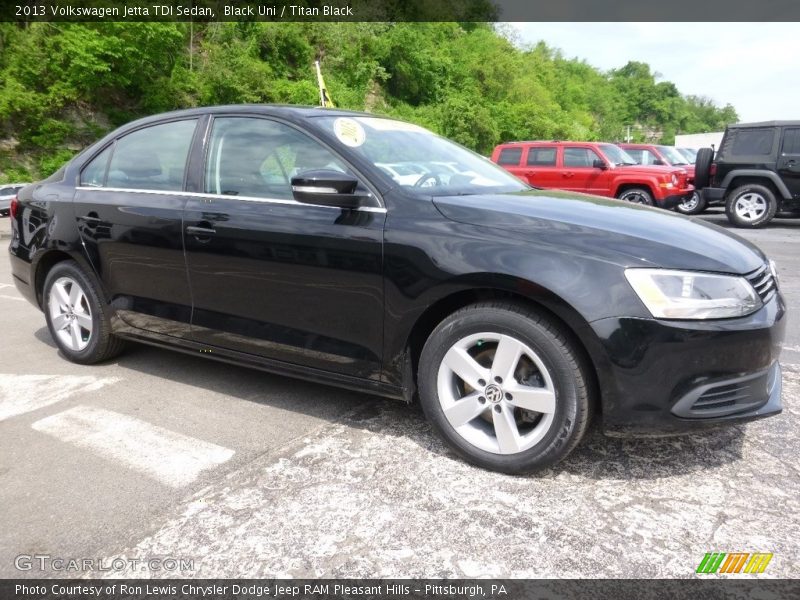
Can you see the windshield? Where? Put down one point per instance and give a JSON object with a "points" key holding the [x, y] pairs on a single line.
{"points": [[689, 153], [672, 155], [417, 159], [617, 155]]}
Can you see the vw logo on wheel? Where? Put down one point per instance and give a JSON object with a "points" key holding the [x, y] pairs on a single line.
{"points": [[494, 393]]}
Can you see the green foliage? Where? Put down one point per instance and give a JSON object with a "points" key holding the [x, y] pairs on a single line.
{"points": [[62, 85]]}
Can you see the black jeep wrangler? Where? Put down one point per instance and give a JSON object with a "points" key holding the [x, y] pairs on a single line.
{"points": [[755, 173]]}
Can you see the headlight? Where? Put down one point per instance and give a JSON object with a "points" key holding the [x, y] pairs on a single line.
{"points": [[773, 268], [690, 295], [674, 179]]}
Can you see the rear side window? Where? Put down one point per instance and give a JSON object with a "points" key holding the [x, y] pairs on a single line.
{"points": [[94, 174], [510, 156], [791, 141], [542, 157], [579, 157], [752, 142], [153, 158]]}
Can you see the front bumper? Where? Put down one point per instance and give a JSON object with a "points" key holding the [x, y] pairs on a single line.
{"points": [[667, 377], [669, 202]]}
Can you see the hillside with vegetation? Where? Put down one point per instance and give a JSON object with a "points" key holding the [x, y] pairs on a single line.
{"points": [[62, 85]]}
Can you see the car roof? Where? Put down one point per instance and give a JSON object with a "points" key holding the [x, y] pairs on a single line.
{"points": [[632, 145], [766, 124], [549, 142], [265, 109]]}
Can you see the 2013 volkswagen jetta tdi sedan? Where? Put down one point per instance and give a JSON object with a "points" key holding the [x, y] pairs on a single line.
{"points": [[276, 237]]}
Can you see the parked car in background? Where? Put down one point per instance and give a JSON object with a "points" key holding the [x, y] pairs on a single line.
{"points": [[658, 154], [755, 173], [275, 237], [593, 168], [8, 191], [689, 153]]}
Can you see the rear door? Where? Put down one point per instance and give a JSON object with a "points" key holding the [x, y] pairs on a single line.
{"points": [[274, 278], [129, 207], [789, 160], [540, 166]]}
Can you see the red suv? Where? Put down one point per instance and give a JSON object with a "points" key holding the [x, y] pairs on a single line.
{"points": [[656, 154], [594, 168]]}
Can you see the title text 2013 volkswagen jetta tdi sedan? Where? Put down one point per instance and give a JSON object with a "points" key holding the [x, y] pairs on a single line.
{"points": [[369, 253]]}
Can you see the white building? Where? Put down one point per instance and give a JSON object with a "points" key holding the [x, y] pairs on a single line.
{"points": [[699, 140]]}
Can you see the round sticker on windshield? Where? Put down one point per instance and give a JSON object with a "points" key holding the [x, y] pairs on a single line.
{"points": [[349, 132]]}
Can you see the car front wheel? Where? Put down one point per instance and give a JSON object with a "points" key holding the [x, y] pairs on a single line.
{"points": [[751, 205], [504, 387], [77, 318], [637, 196]]}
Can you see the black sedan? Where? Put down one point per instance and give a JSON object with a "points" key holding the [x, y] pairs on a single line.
{"points": [[277, 237]]}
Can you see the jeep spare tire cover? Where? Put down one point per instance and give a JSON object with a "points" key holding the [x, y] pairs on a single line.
{"points": [[702, 167]]}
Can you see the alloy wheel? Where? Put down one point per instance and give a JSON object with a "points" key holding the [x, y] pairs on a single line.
{"points": [[750, 206], [70, 313], [496, 392]]}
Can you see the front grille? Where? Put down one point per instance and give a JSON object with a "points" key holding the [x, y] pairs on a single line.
{"points": [[763, 282], [722, 396], [730, 396]]}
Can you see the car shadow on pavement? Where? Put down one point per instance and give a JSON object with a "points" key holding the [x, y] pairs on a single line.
{"points": [[597, 457]]}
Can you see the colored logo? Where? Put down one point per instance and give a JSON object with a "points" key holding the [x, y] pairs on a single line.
{"points": [[734, 562]]}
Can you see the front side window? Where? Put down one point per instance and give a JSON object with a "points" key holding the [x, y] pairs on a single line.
{"points": [[153, 158], [579, 157], [258, 158]]}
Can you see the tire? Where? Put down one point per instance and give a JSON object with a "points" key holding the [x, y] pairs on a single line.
{"points": [[751, 206], [77, 317], [693, 206], [702, 167], [637, 196], [492, 430]]}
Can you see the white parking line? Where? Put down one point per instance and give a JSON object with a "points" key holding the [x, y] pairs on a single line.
{"points": [[20, 394], [17, 298], [169, 457]]}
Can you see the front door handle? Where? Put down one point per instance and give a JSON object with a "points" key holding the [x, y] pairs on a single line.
{"points": [[200, 231]]}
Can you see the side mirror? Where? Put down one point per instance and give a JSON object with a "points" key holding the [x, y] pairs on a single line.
{"points": [[599, 164], [658, 161], [326, 187]]}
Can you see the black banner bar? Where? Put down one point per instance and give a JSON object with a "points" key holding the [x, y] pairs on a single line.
{"points": [[401, 10]]}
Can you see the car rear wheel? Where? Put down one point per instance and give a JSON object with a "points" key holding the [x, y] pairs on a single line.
{"points": [[637, 196], [79, 322], [693, 205], [504, 387], [751, 205]]}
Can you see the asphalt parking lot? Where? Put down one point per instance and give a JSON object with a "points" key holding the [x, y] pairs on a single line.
{"points": [[245, 474]]}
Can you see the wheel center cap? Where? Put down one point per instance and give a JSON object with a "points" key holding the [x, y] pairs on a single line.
{"points": [[493, 393]]}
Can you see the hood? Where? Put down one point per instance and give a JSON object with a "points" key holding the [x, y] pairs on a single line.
{"points": [[608, 230], [648, 169]]}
